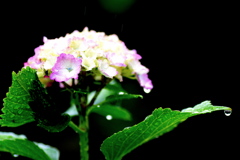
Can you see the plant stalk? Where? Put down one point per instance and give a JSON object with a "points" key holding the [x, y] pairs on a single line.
{"points": [[83, 142]]}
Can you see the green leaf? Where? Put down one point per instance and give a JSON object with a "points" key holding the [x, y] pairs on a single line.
{"points": [[16, 110], [46, 112], [106, 108], [113, 88], [122, 96], [72, 111], [113, 111], [155, 125], [204, 107], [27, 100], [19, 145], [52, 152], [109, 101]]}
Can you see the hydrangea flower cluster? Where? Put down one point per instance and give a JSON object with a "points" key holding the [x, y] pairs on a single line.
{"points": [[64, 58]]}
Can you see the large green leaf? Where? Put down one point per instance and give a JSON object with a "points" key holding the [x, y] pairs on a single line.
{"points": [[19, 145], [16, 110], [155, 125], [45, 111], [27, 100]]}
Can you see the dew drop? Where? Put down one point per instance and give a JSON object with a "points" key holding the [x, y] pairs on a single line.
{"points": [[227, 112], [121, 93], [15, 155], [146, 90], [147, 117], [109, 117]]}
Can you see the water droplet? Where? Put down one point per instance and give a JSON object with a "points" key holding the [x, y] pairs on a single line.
{"points": [[121, 93], [146, 90], [98, 106], [147, 117], [126, 127], [15, 155], [227, 112], [109, 117]]}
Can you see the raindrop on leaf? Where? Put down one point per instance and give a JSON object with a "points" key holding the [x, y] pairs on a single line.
{"points": [[120, 93], [227, 112], [15, 155], [109, 117], [147, 117]]}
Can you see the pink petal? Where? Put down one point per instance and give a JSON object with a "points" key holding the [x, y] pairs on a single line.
{"points": [[66, 67], [144, 81]]}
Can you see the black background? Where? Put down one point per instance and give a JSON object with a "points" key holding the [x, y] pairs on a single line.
{"points": [[189, 47]]}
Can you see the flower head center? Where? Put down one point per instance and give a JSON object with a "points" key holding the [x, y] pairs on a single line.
{"points": [[69, 69]]}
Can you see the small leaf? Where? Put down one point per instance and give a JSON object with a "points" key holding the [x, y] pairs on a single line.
{"points": [[114, 98], [16, 110], [109, 101], [113, 88], [155, 125], [19, 145], [106, 108], [114, 111]]}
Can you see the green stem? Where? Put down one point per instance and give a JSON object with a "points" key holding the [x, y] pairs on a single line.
{"points": [[80, 101], [84, 145], [83, 137], [75, 127], [82, 130]]}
